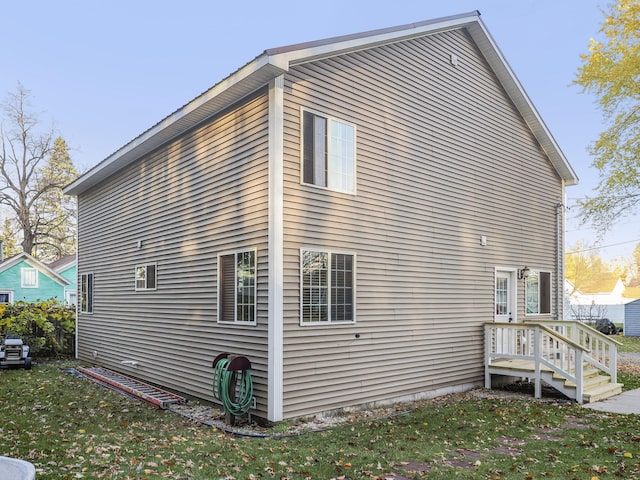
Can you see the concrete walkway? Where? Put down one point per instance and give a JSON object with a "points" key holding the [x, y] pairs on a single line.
{"points": [[626, 402]]}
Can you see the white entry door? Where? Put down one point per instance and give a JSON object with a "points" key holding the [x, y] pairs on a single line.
{"points": [[505, 309], [505, 296]]}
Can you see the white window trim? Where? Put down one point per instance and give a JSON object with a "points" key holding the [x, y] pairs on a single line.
{"points": [[235, 321], [355, 159], [10, 293], [135, 280], [67, 297], [526, 295], [23, 270], [93, 288], [330, 322]]}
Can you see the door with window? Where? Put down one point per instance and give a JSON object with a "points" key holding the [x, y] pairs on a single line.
{"points": [[505, 307]]}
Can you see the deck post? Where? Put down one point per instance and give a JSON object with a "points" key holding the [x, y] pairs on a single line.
{"points": [[536, 356], [579, 377], [488, 332], [613, 363]]}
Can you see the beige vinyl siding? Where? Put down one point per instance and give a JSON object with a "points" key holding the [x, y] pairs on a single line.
{"points": [[443, 157], [202, 194]]}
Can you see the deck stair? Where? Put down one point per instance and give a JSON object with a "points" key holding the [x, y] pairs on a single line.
{"points": [[569, 356]]}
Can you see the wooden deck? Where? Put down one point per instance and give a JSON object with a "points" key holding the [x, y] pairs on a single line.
{"points": [[568, 356]]}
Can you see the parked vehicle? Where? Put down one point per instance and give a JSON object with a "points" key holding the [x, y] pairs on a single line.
{"points": [[14, 353], [606, 326]]}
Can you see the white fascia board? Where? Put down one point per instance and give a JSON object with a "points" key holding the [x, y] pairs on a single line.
{"points": [[35, 263], [251, 77], [523, 103], [353, 43], [10, 262]]}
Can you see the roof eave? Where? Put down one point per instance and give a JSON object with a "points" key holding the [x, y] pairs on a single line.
{"points": [[514, 89], [239, 84]]}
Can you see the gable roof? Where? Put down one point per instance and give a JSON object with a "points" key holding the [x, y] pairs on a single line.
{"points": [[274, 62], [600, 284], [62, 263], [35, 263]]}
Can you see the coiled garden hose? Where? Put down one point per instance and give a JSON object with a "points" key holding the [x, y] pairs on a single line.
{"points": [[221, 385]]}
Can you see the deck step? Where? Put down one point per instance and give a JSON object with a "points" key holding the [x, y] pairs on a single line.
{"points": [[596, 385], [601, 392], [136, 388]]}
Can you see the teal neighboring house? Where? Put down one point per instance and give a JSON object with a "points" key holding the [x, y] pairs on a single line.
{"points": [[25, 278]]}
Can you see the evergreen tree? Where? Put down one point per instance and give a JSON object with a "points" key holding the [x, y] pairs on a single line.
{"points": [[54, 214]]}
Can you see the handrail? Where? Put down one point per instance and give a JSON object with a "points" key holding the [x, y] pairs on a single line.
{"points": [[580, 325], [603, 350], [567, 340]]}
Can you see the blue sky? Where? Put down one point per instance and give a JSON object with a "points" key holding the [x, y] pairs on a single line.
{"points": [[103, 72]]}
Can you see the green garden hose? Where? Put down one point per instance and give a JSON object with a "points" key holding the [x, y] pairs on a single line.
{"points": [[221, 386]]}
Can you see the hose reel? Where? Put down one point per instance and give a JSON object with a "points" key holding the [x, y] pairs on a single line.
{"points": [[232, 385]]}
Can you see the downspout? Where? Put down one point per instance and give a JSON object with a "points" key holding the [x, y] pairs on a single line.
{"points": [[560, 257], [78, 284]]}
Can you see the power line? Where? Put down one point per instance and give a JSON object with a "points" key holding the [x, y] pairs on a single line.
{"points": [[602, 246]]}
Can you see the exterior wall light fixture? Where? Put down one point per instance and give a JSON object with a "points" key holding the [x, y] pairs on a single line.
{"points": [[524, 273]]}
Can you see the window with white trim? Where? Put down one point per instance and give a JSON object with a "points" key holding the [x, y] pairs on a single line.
{"points": [[146, 277], [70, 297], [28, 277], [237, 287], [86, 293], [6, 296], [327, 287], [538, 294], [328, 152]]}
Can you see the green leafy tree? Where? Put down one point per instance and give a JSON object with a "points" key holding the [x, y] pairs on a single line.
{"points": [[584, 267], [635, 267], [34, 167], [611, 71]]}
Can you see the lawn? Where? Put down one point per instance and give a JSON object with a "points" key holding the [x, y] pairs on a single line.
{"points": [[71, 428], [629, 344]]}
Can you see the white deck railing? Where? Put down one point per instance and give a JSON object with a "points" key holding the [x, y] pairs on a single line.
{"points": [[601, 351], [538, 345]]}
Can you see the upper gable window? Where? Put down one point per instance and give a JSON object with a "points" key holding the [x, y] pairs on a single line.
{"points": [[29, 278], [328, 152]]}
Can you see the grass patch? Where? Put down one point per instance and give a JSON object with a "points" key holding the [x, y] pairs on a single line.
{"points": [[71, 428], [629, 344]]}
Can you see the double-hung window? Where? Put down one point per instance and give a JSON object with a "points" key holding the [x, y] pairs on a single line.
{"points": [[146, 276], [29, 278], [538, 293], [328, 152], [237, 287], [327, 287], [86, 293], [6, 296]]}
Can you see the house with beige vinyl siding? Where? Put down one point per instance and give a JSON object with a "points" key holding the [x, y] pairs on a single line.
{"points": [[346, 213]]}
